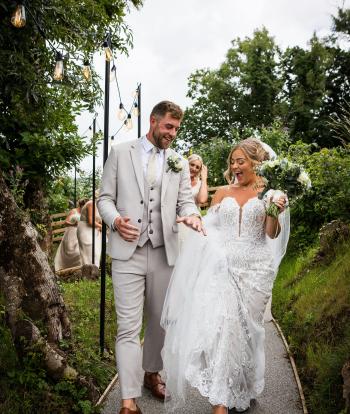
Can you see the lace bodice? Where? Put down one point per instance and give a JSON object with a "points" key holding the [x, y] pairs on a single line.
{"points": [[213, 312], [246, 223]]}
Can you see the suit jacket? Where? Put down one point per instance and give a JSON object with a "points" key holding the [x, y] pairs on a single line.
{"points": [[122, 194]]}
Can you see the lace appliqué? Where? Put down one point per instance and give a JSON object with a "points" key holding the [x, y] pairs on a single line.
{"points": [[217, 344]]}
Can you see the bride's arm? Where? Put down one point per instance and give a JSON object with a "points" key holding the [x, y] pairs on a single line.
{"points": [[273, 227]]}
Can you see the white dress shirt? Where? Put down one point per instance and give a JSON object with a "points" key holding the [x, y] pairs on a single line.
{"points": [[147, 147]]}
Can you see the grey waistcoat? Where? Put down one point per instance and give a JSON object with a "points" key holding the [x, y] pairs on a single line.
{"points": [[152, 228]]}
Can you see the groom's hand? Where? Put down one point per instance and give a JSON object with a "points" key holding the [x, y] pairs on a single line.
{"points": [[194, 222], [127, 231]]}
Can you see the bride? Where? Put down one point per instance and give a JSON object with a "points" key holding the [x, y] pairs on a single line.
{"points": [[213, 311]]}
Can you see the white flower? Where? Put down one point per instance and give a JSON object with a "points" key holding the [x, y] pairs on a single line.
{"points": [[304, 179], [275, 194], [174, 163]]}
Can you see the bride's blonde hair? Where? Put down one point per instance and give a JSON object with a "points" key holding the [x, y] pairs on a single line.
{"points": [[253, 150]]}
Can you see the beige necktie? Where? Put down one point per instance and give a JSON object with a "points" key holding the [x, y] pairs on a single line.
{"points": [[152, 167]]}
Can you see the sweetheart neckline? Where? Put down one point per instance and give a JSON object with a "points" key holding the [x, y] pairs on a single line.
{"points": [[243, 205]]}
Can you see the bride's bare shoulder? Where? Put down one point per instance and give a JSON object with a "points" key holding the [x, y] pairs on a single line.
{"points": [[220, 193]]}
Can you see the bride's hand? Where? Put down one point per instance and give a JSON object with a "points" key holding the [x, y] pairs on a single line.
{"points": [[280, 202]]}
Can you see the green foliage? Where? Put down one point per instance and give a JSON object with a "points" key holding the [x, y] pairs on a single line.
{"points": [[37, 114], [83, 301], [311, 303], [62, 190], [276, 136], [25, 386], [241, 93], [305, 91], [214, 154], [329, 197], [258, 83], [340, 123]]}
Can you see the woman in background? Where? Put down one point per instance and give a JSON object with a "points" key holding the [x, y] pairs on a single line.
{"points": [[85, 235], [199, 186], [68, 254], [199, 176]]}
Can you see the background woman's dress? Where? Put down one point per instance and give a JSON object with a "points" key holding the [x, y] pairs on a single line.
{"points": [[85, 238], [68, 254], [184, 231], [213, 312]]}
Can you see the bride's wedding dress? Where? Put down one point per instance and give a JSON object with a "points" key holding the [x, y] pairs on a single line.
{"points": [[213, 312]]}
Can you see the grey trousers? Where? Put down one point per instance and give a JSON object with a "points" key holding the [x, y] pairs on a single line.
{"points": [[139, 283]]}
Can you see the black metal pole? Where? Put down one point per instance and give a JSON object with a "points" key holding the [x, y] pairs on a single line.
{"points": [[75, 185], [139, 106], [93, 190], [104, 228]]}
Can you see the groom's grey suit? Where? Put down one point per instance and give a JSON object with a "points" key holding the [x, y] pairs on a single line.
{"points": [[142, 269]]}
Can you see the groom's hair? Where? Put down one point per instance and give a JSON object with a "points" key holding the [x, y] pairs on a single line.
{"points": [[164, 107]]}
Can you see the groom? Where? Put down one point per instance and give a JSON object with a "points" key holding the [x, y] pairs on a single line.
{"points": [[144, 187]]}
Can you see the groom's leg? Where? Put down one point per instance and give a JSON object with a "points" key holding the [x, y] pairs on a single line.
{"points": [[157, 281], [129, 288]]}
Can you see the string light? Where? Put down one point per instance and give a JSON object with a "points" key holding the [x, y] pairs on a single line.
{"points": [[108, 52], [87, 71], [128, 122], [113, 75], [135, 110], [18, 18], [121, 112], [59, 68]]}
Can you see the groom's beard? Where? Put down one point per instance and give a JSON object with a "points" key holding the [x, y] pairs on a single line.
{"points": [[162, 141]]}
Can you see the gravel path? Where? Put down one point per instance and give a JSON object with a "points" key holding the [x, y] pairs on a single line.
{"points": [[279, 397]]}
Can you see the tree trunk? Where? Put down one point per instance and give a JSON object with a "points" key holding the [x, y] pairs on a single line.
{"points": [[35, 202], [29, 286]]}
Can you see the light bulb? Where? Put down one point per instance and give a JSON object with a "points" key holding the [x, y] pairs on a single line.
{"points": [[18, 18], [87, 71], [59, 68], [121, 112], [113, 74], [128, 122], [135, 110], [108, 52]]}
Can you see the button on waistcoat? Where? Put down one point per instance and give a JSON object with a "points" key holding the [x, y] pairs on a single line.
{"points": [[152, 228]]}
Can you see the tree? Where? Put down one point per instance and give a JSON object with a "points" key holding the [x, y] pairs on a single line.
{"points": [[37, 129], [39, 140], [242, 93], [301, 88]]}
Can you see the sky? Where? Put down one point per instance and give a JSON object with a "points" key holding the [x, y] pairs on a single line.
{"points": [[172, 39]]}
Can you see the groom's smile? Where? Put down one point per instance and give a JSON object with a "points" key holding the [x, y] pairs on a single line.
{"points": [[163, 130]]}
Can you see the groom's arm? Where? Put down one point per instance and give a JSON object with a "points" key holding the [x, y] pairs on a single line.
{"points": [[107, 200], [185, 202]]}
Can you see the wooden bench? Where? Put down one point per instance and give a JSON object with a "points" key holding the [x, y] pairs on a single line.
{"points": [[58, 226]]}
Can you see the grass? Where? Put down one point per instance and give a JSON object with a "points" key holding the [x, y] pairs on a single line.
{"points": [[311, 301], [25, 387], [82, 299]]}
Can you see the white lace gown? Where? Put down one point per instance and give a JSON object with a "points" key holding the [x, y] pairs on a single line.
{"points": [[184, 231], [213, 312]]}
